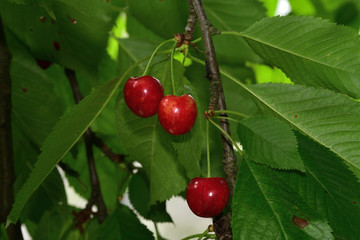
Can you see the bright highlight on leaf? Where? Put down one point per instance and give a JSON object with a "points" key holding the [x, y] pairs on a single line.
{"points": [[119, 31], [269, 141]]}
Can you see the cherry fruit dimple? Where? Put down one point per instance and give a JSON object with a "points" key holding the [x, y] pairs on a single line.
{"points": [[143, 94], [177, 114], [207, 197]]}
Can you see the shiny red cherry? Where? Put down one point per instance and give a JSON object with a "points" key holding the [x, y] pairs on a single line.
{"points": [[207, 197], [177, 114], [143, 94]]}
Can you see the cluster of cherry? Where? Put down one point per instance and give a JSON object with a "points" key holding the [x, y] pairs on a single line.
{"points": [[206, 197], [145, 97]]}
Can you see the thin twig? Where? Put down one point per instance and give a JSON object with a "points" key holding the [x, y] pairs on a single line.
{"points": [[94, 179], [116, 158], [70, 74], [222, 224], [96, 196], [68, 170], [7, 176]]}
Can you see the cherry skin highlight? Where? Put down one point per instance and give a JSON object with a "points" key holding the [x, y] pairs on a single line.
{"points": [[177, 114], [207, 197], [143, 94]]}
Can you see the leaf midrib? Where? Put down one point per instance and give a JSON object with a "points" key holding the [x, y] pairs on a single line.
{"points": [[284, 117], [296, 125], [152, 157], [332, 197], [272, 143], [246, 36], [268, 202]]}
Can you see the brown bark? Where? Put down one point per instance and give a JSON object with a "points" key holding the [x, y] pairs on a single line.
{"points": [[222, 224], [96, 196]]}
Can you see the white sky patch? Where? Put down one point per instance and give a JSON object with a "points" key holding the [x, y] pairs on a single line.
{"points": [[283, 8], [73, 198]]}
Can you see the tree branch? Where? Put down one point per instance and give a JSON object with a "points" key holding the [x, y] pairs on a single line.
{"points": [[94, 179], [68, 170], [98, 142], [7, 176], [96, 196], [191, 21], [222, 223], [212, 67], [116, 158]]}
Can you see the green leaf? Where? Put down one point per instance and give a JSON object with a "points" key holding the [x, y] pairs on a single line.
{"points": [[56, 224], [69, 129], [263, 208], [81, 29], [310, 51], [164, 18], [305, 7], [238, 99], [3, 234], [265, 73], [36, 108], [329, 187], [91, 230], [270, 6], [348, 14], [48, 195], [17, 1], [139, 194], [234, 15], [270, 141], [197, 78], [138, 31], [331, 119], [188, 146], [112, 177], [136, 49], [123, 224], [148, 143]]}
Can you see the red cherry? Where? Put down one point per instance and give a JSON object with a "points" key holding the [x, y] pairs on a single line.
{"points": [[177, 114], [207, 197], [43, 63], [143, 94]]}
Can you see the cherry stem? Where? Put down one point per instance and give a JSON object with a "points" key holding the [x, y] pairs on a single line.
{"points": [[208, 150], [228, 118], [232, 113], [157, 231], [185, 56], [154, 53], [201, 235], [172, 68], [227, 135]]}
